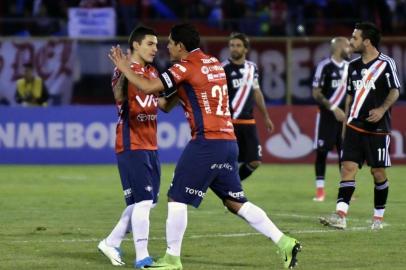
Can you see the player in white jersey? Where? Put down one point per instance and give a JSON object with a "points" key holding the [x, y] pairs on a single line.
{"points": [[373, 87]]}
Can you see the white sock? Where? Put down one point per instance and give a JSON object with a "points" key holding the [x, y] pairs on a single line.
{"points": [[378, 213], [320, 183], [175, 227], [258, 219], [140, 227], [117, 234], [342, 207]]}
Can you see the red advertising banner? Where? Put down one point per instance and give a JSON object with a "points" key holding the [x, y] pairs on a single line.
{"points": [[292, 139], [54, 60]]}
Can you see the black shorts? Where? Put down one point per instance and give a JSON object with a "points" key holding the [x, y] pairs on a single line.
{"points": [[248, 143], [359, 147], [328, 132]]}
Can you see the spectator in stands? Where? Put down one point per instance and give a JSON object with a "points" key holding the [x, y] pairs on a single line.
{"points": [[31, 90], [279, 11], [127, 9]]}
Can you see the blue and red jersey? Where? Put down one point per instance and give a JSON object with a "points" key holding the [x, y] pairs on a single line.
{"points": [[137, 126], [200, 82]]}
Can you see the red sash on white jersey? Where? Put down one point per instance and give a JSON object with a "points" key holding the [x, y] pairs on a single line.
{"points": [[339, 93], [371, 75], [243, 92]]}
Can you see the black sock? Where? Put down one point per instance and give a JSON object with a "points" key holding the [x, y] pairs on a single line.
{"points": [[345, 191], [381, 194], [320, 165], [245, 170]]}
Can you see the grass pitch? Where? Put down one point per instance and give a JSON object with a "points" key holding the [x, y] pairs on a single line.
{"points": [[52, 217]]}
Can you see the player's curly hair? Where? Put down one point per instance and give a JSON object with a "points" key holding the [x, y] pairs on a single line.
{"points": [[138, 34], [187, 34], [241, 36], [369, 31]]}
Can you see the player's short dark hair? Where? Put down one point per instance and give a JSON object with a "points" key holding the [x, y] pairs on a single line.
{"points": [[369, 31], [138, 34], [241, 36], [187, 34]]}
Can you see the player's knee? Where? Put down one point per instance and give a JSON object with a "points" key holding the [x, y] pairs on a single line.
{"points": [[232, 206], [144, 204], [255, 164], [348, 170], [379, 174]]}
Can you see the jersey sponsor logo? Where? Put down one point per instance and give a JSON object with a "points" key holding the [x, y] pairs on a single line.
{"points": [[167, 79], [212, 68], [196, 192], [142, 117], [236, 195], [180, 67], [204, 70], [237, 82], [359, 84], [209, 60], [335, 83], [216, 76], [148, 101]]}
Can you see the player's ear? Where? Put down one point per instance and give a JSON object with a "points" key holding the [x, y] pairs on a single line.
{"points": [[136, 45], [181, 46]]}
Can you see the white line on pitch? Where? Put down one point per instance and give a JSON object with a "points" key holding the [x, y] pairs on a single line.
{"points": [[222, 235]]}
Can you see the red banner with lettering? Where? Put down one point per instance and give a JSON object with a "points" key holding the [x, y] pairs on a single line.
{"points": [[293, 136], [53, 60]]}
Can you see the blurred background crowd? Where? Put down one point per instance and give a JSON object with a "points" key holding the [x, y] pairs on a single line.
{"points": [[254, 17]]}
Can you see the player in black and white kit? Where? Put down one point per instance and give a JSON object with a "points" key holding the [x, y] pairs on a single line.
{"points": [[244, 92], [373, 87], [329, 88]]}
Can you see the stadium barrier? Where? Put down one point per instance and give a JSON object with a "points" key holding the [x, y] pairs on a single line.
{"points": [[77, 135], [86, 135]]}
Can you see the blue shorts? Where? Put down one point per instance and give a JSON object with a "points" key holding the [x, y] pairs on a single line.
{"points": [[140, 174], [204, 164]]}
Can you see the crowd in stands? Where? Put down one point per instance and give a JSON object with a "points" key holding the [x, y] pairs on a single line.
{"points": [[254, 17]]}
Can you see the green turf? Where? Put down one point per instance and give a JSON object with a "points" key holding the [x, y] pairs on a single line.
{"points": [[52, 217]]}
